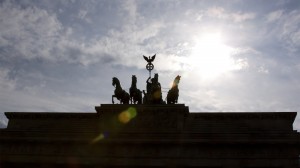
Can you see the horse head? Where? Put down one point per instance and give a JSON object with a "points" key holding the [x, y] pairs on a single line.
{"points": [[134, 79], [115, 81], [176, 81]]}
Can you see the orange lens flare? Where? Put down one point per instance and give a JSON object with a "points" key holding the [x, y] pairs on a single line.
{"points": [[157, 95], [127, 115]]}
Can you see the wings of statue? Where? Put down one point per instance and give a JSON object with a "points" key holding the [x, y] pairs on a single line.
{"points": [[150, 59]]}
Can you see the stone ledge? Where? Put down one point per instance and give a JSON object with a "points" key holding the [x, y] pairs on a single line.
{"points": [[244, 115], [55, 115], [141, 108]]}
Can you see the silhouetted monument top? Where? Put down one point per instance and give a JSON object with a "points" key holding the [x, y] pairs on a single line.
{"points": [[153, 92]]}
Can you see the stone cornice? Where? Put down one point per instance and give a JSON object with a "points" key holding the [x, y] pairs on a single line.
{"points": [[204, 115], [39, 115], [244, 115]]}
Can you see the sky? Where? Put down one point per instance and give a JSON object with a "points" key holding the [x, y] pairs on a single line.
{"points": [[233, 56]]}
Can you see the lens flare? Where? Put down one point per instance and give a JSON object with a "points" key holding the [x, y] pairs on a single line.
{"points": [[132, 112], [98, 138], [156, 95], [124, 117], [127, 115]]}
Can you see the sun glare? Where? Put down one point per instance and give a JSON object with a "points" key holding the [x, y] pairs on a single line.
{"points": [[210, 56]]}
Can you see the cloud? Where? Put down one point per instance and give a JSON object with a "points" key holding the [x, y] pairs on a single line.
{"points": [[32, 33], [136, 36], [291, 29], [5, 82], [130, 7], [274, 16], [35, 33], [83, 15], [221, 13], [286, 27], [29, 32]]}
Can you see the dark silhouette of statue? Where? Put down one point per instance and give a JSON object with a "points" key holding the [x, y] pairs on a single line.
{"points": [[153, 95], [150, 59], [173, 93], [120, 94], [135, 93], [156, 91], [149, 65], [147, 99]]}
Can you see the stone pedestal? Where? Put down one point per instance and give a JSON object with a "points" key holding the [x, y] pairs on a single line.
{"points": [[143, 118]]}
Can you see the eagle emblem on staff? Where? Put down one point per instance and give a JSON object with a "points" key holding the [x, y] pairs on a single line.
{"points": [[149, 66], [150, 59]]}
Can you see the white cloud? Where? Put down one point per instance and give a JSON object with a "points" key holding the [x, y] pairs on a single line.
{"points": [[286, 28], [130, 7], [83, 15], [274, 16], [263, 70], [221, 13], [31, 32], [35, 33], [5, 82]]}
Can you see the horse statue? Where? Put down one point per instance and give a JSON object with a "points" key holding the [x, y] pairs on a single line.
{"points": [[173, 93], [120, 94], [135, 93]]}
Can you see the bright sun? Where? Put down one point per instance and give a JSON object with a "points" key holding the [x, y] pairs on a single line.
{"points": [[210, 56]]}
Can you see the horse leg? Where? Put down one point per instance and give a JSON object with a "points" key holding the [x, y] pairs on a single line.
{"points": [[168, 98], [125, 99], [112, 99]]}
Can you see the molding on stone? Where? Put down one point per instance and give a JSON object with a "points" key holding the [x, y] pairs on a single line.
{"points": [[244, 115], [52, 115]]}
